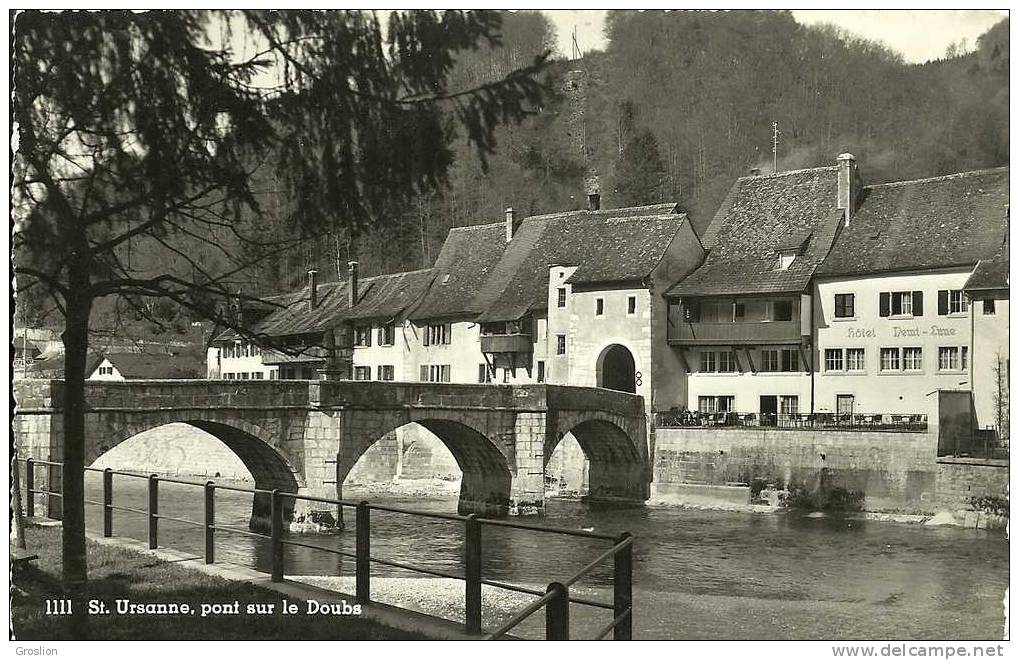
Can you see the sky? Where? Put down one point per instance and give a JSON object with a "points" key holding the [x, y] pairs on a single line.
{"points": [[920, 35]]}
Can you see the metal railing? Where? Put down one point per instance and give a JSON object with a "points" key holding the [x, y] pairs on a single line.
{"points": [[818, 421], [556, 599]]}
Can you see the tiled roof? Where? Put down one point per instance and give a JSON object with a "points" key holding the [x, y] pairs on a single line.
{"points": [[384, 297], [760, 216], [147, 365], [929, 223], [611, 245], [990, 273], [465, 262]]}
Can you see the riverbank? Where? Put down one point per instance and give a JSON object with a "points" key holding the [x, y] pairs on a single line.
{"points": [[116, 574]]}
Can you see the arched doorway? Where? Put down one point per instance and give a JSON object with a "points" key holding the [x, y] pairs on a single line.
{"points": [[617, 369]]}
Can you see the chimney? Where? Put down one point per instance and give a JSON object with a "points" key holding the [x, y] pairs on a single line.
{"points": [[352, 292], [312, 289], [593, 201], [849, 184], [511, 223]]}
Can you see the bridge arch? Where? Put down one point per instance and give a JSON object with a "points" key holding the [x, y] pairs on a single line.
{"points": [[616, 452], [269, 467], [484, 454]]}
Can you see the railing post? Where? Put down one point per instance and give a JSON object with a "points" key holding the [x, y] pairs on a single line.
{"points": [[472, 570], [362, 562], [29, 487], [557, 613], [153, 511], [210, 522], [277, 536], [108, 502], [622, 589]]}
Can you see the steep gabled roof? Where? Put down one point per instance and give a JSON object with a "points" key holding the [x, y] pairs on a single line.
{"points": [[383, 297], [611, 245], [760, 216], [465, 262], [944, 221], [139, 366], [990, 273]]}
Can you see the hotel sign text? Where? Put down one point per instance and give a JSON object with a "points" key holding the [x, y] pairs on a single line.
{"points": [[902, 331]]}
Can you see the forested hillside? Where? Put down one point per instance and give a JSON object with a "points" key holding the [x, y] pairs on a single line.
{"points": [[677, 106], [682, 103]]}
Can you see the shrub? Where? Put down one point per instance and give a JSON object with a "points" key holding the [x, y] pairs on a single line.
{"points": [[825, 498], [992, 504]]}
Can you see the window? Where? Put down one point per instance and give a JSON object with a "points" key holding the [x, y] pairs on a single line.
{"points": [[599, 306], [363, 335], [257, 375], [507, 373], [890, 359], [387, 335], [385, 372], [228, 376], [440, 333], [718, 361], [273, 375], [243, 375], [790, 359], [716, 404], [484, 374], [948, 358], [988, 306], [362, 373], [561, 297], [789, 405], [912, 358], [856, 359], [769, 360], [845, 305], [953, 358], [901, 303], [541, 371], [435, 373], [953, 301], [785, 259], [631, 305], [560, 344], [833, 359], [781, 310], [105, 371]]}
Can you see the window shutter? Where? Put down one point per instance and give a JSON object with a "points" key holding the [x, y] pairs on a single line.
{"points": [[918, 303], [885, 303], [382, 335], [897, 304], [426, 334], [943, 302], [448, 334], [424, 373]]}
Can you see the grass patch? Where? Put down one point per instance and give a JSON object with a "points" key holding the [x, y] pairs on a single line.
{"points": [[115, 573]]}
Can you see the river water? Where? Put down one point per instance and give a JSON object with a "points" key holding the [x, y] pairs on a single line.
{"points": [[697, 574]]}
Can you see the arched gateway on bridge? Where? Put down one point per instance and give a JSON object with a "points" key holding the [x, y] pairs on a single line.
{"points": [[307, 435]]}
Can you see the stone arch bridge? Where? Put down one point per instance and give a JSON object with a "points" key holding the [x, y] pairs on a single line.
{"points": [[305, 436]]}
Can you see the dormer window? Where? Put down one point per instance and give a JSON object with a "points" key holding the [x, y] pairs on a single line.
{"points": [[785, 259]]}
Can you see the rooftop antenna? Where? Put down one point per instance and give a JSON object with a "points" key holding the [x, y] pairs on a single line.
{"points": [[774, 146], [577, 53]]}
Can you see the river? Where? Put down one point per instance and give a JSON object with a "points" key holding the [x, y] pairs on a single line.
{"points": [[697, 574]]}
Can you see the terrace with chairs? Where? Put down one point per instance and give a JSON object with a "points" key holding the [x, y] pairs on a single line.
{"points": [[678, 418]]}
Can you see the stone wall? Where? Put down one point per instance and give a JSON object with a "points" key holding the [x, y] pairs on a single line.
{"points": [[897, 471], [961, 480]]}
